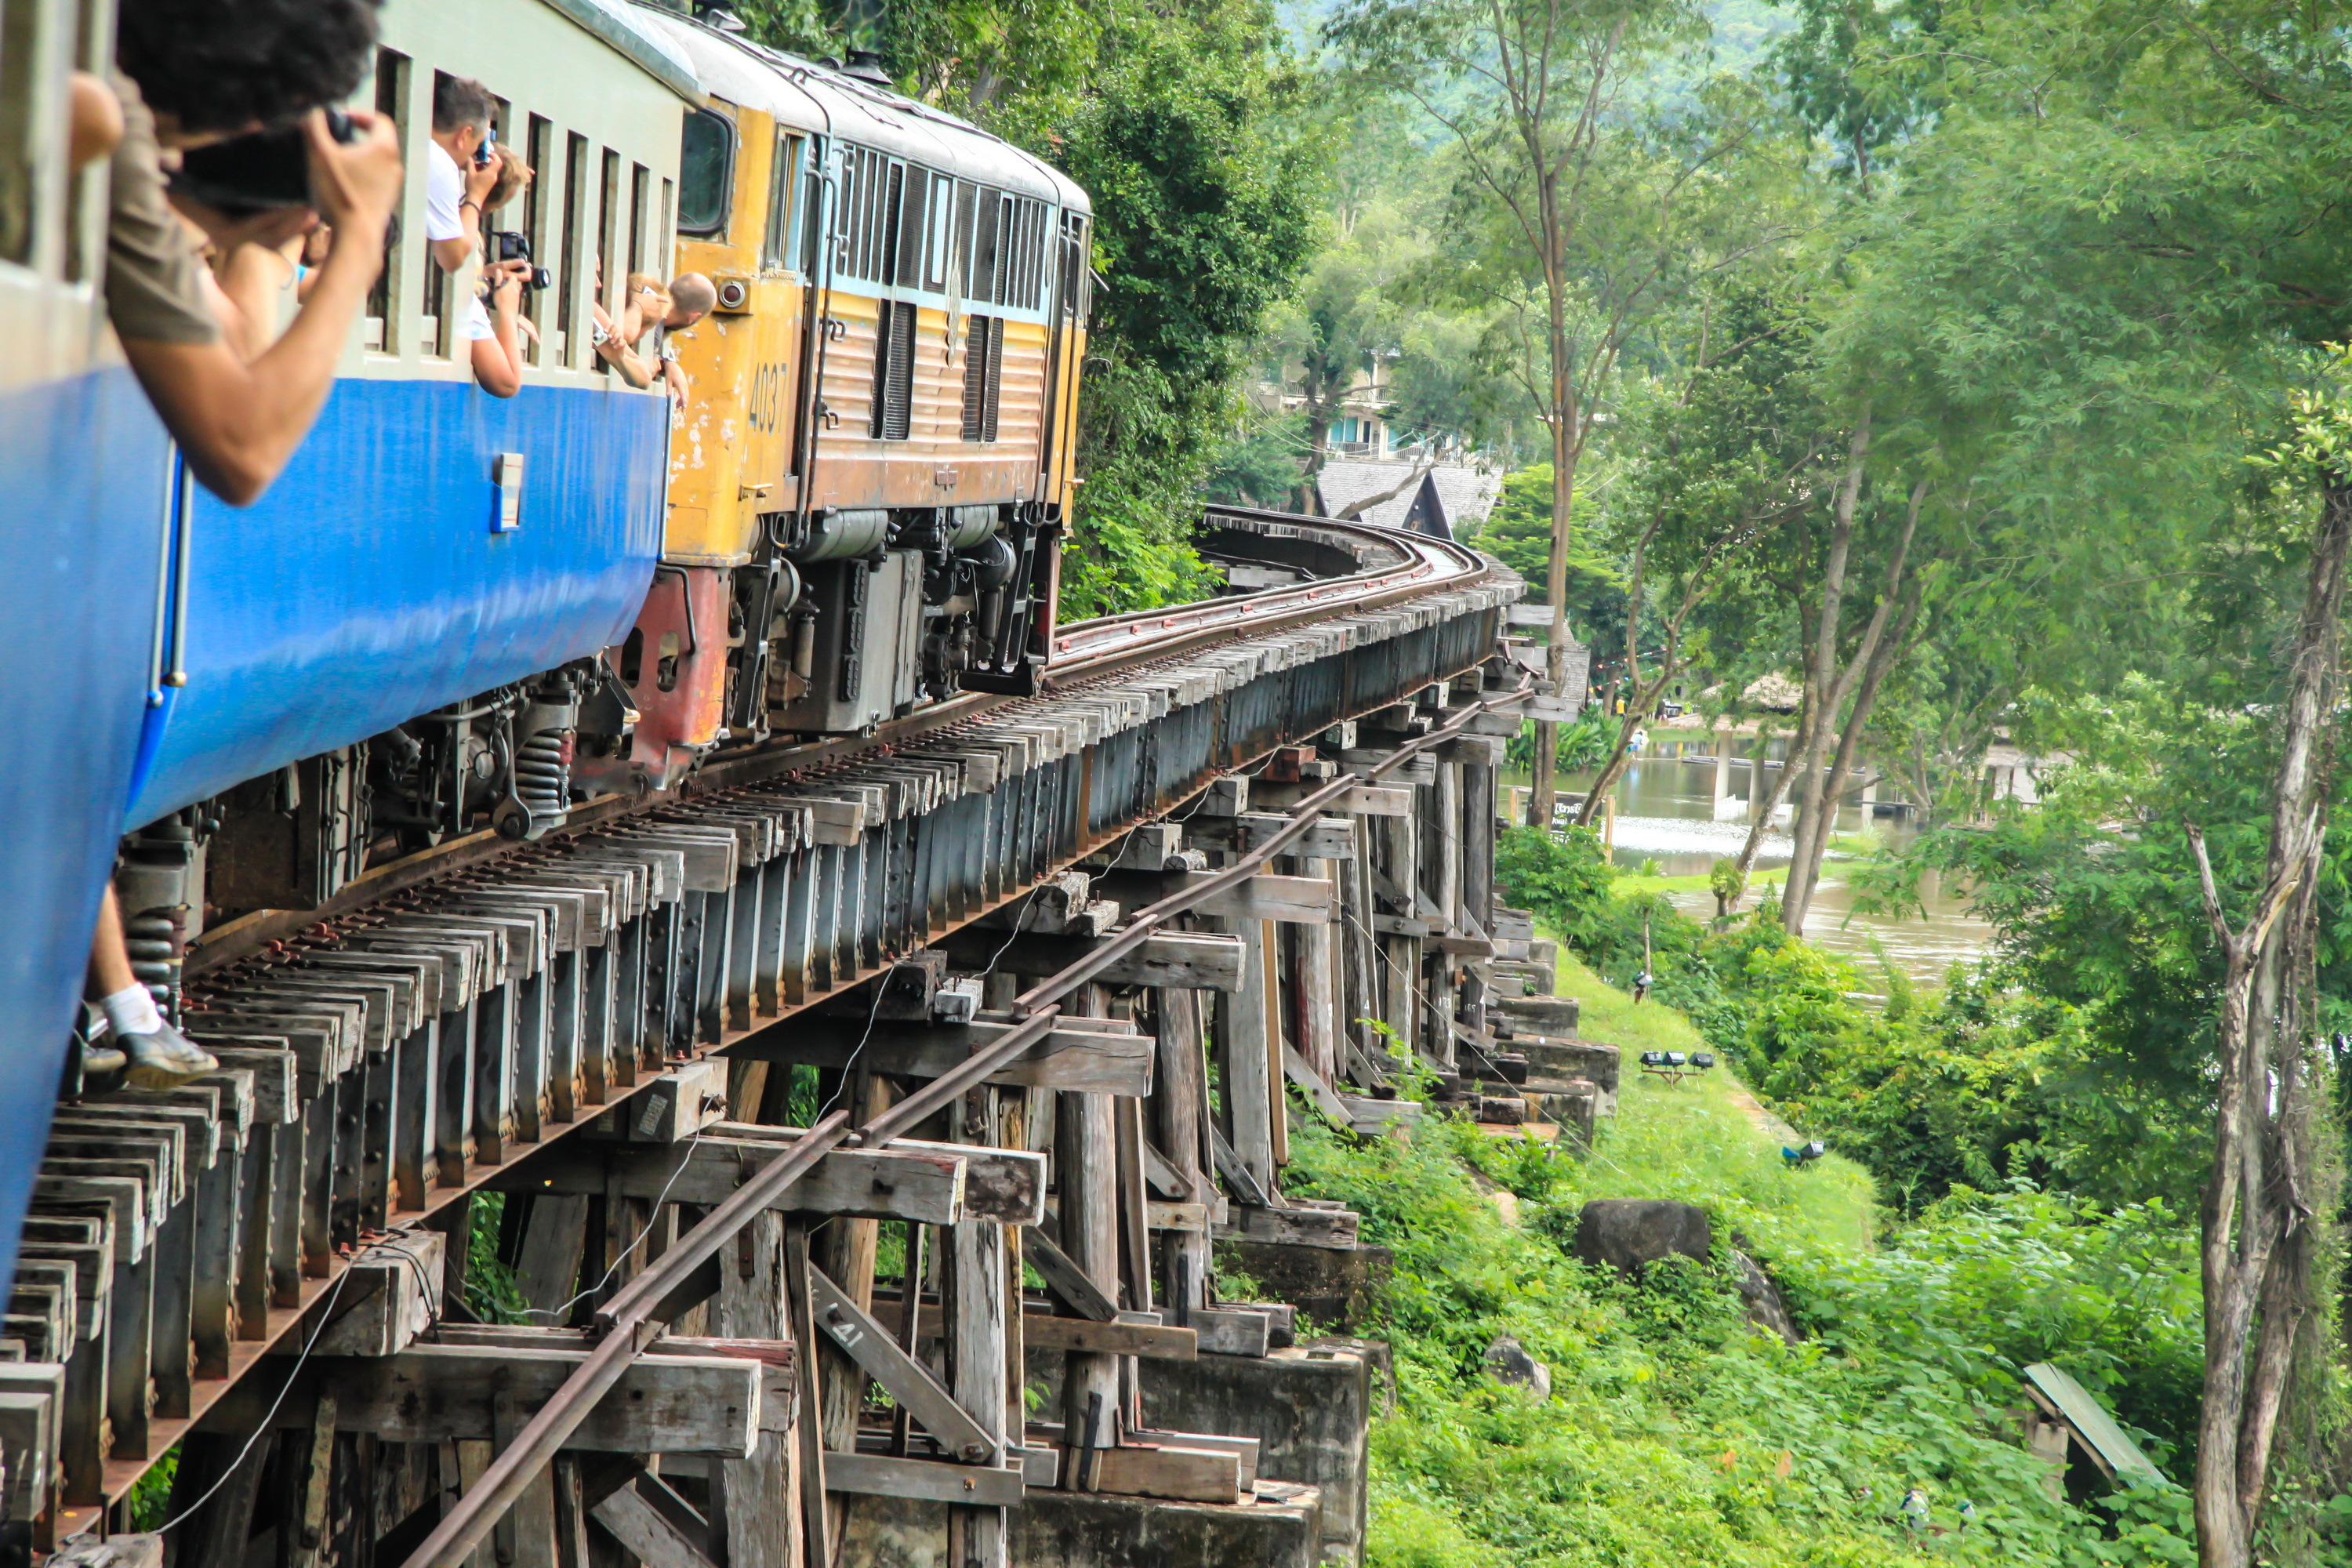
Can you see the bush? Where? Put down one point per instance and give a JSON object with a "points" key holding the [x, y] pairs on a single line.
{"points": [[1677, 1434]]}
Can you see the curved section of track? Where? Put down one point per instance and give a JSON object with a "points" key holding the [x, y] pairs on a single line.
{"points": [[1392, 565]]}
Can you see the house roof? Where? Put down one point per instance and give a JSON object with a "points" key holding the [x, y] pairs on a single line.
{"points": [[1449, 502]]}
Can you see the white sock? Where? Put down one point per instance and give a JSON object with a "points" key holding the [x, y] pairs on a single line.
{"points": [[132, 1011]]}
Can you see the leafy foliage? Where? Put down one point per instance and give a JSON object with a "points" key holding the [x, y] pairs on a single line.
{"points": [[1676, 1433]]}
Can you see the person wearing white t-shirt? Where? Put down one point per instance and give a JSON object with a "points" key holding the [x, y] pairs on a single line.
{"points": [[457, 179]]}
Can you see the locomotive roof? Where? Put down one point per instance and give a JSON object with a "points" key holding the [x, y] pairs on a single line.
{"points": [[815, 97]]}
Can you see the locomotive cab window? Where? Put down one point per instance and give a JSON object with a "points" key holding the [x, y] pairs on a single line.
{"points": [[706, 172], [784, 180]]}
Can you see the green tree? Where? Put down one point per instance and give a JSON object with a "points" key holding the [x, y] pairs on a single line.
{"points": [[1582, 215], [1205, 186]]}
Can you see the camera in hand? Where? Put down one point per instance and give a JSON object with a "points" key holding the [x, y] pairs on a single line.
{"points": [[514, 246], [248, 174]]}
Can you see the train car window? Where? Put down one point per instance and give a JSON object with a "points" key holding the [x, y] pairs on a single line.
{"points": [[857, 204], [86, 192], [1032, 268], [1078, 280], [872, 185], [609, 260], [894, 372], [850, 207], [435, 332], [382, 330], [784, 180], [20, 85], [940, 233], [575, 224], [980, 281], [914, 204], [539, 140], [1016, 289], [640, 199], [665, 232], [706, 172], [812, 219]]}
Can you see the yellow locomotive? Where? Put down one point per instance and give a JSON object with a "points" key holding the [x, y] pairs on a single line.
{"points": [[869, 479]]}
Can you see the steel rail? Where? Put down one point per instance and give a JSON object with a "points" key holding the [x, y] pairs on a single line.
{"points": [[635, 1317], [1420, 562]]}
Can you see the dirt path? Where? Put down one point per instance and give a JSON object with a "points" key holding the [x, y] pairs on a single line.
{"points": [[1766, 1123]]}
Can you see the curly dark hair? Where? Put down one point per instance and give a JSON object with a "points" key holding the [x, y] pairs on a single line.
{"points": [[222, 64]]}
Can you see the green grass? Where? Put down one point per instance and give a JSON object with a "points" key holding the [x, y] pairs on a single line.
{"points": [[1627, 882], [1697, 1142]]}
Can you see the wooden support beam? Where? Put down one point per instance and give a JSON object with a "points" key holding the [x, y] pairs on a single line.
{"points": [[392, 1295], [1181, 1475], [1068, 1057], [979, 1290], [816, 1529], [1296, 1068], [446, 1394], [1085, 1269], [1331, 837], [931, 1183], [654, 1534], [1316, 981], [1364, 800], [1073, 1284], [906, 1380], [1180, 1137], [1144, 1334], [925, 1480], [1264, 897], [1240, 1037], [1194, 960]]}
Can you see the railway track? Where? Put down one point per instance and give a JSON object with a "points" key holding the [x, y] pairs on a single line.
{"points": [[405, 1047]]}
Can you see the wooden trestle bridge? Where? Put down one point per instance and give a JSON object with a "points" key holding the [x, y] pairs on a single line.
{"points": [[822, 1103]]}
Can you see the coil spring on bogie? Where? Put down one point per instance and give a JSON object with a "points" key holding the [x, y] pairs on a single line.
{"points": [[542, 778], [153, 941]]}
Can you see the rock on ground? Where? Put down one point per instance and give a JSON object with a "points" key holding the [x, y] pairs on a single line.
{"points": [[1630, 1234], [1509, 1361]]}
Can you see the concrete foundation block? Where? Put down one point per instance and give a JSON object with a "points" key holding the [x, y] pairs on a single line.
{"points": [[1278, 1527], [1337, 1287], [1556, 1058], [1539, 1015], [1571, 1104], [1308, 1406]]}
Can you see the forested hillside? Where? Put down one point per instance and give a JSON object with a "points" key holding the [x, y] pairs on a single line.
{"points": [[1979, 374]]}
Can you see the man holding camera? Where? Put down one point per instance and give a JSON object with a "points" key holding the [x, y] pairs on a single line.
{"points": [[462, 168], [195, 72]]}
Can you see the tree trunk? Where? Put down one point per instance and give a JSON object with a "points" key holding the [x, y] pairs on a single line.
{"points": [[2256, 1216], [1824, 691], [1799, 893], [1873, 657], [1566, 443]]}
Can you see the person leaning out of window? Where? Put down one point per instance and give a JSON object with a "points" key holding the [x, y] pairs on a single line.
{"points": [[654, 310], [463, 163], [497, 358]]}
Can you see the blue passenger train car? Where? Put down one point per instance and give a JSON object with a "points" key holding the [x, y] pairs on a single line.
{"points": [[83, 576]]}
